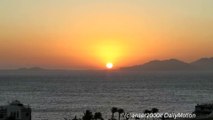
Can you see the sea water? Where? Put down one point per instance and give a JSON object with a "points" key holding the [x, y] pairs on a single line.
{"points": [[56, 95]]}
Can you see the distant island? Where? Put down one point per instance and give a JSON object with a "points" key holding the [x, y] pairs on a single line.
{"points": [[31, 69], [173, 65]]}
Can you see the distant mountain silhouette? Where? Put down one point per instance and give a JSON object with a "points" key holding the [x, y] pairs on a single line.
{"points": [[204, 63], [173, 65], [31, 69]]}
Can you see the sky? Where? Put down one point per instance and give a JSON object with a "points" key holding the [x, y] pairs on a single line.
{"points": [[87, 34]]}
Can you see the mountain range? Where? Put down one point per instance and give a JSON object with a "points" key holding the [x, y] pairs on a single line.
{"points": [[173, 65]]}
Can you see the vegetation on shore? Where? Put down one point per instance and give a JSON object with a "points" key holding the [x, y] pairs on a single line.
{"points": [[121, 114]]}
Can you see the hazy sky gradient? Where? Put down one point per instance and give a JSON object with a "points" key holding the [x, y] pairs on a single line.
{"points": [[89, 33]]}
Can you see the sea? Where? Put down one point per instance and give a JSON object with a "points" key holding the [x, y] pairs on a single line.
{"points": [[56, 95]]}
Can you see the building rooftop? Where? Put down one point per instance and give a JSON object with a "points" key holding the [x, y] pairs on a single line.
{"points": [[16, 103]]}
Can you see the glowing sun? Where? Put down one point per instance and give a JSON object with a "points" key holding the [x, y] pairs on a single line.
{"points": [[109, 65]]}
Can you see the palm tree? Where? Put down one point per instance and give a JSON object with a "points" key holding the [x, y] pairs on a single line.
{"points": [[88, 115], [120, 111], [154, 110], [113, 110], [98, 115], [147, 111]]}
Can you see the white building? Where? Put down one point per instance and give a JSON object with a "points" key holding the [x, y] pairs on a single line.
{"points": [[15, 111]]}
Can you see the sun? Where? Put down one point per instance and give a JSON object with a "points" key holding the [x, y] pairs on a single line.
{"points": [[109, 65]]}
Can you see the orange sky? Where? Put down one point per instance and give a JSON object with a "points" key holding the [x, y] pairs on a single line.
{"points": [[76, 34]]}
